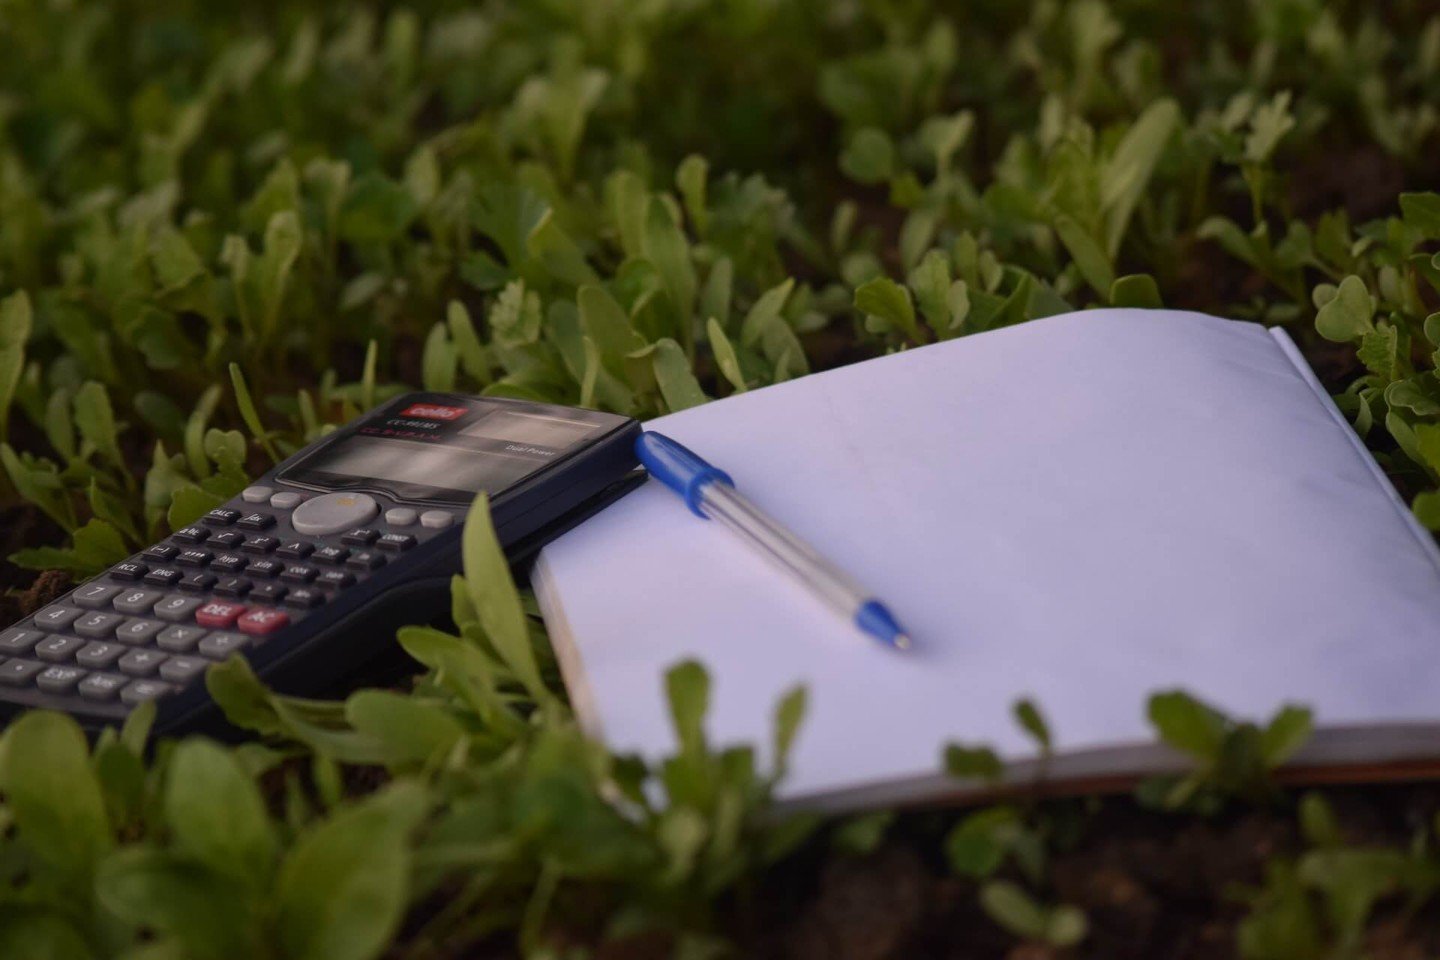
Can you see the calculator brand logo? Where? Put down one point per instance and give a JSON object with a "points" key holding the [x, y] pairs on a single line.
{"points": [[433, 411]]}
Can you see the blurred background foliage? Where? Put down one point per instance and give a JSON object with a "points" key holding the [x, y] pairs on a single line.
{"points": [[226, 228]]}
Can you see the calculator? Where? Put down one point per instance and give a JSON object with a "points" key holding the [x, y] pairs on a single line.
{"points": [[309, 571]]}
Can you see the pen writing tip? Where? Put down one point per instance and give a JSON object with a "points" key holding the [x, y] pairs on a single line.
{"points": [[901, 641]]}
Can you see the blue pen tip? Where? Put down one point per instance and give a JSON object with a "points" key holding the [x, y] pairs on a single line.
{"points": [[880, 623]]}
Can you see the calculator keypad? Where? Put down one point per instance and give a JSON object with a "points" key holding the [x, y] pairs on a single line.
{"points": [[234, 581]]}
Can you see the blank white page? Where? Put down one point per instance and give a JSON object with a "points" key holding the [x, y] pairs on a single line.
{"points": [[1083, 509]]}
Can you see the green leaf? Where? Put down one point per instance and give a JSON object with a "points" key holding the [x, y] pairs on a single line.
{"points": [[439, 361], [1422, 212], [725, 357], [496, 601], [1088, 255], [249, 414], [1128, 171], [889, 302], [1014, 910], [412, 730], [1187, 724], [930, 281], [343, 889], [667, 248], [211, 916], [216, 814], [473, 359], [789, 714], [15, 324], [1286, 733], [690, 178], [973, 763], [376, 210], [53, 794], [869, 157], [1380, 351], [1033, 722], [687, 690], [677, 381], [1136, 290], [96, 421], [1347, 316]]}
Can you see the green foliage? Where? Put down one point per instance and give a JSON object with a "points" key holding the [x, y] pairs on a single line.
{"points": [[1232, 759]]}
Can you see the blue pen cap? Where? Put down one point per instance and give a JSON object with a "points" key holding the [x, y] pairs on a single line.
{"points": [[679, 468]]}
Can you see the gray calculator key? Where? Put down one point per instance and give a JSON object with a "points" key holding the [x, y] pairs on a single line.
{"points": [[139, 631], [18, 673], [15, 640], [56, 617], [182, 670], [400, 516], [102, 686], [256, 494], [97, 655], [141, 663], [332, 513], [141, 690], [59, 679], [58, 649], [221, 645], [286, 500], [137, 601], [436, 519], [179, 639], [98, 626], [94, 596], [177, 608]]}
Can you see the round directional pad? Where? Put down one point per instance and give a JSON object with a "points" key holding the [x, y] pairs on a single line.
{"points": [[332, 513]]}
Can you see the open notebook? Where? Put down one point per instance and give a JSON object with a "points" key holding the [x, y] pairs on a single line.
{"points": [[1083, 509]]}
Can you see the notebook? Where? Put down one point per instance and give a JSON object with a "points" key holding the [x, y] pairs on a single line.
{"points": [[1082, 510]]}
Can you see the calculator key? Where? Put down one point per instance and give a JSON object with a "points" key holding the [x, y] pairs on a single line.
{"points": [[395, 542], [227, 539], [229, 563], [219, 615], [256, 521], [221, 517], [332, 513], [264, 569], [287, 500], [295, 550], [97, 656], [330, 555], [436, 519], [233, 587], [161, 552], [141, 663], [365, 560], [218, 646], [190, 535], [93, 596], [261, 622], [58, 649], [59, 679], [179, 639], [19, 673], [164, 576], [256, 494], [182, 670], [335, 578], [138, 631], [304, 598], [299, 573], [361, 536], [194, 558], [260, 545], [400, 516], [136, 602], [198, 582], [140, 691], [101, 686], [97, 626], [129, 570], [56, 617], [176, 608], [15, 641], [268, 593]]}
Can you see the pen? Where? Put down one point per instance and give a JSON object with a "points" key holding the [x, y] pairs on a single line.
{"points": [[710, 494]]}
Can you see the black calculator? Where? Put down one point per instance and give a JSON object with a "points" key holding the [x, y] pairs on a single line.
{"points": [[309, 571]]}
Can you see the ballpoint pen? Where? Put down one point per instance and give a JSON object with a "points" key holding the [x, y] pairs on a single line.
{"points": [[710, 494]]}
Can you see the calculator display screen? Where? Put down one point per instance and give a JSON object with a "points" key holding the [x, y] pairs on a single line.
{"points": [[451, 449]]}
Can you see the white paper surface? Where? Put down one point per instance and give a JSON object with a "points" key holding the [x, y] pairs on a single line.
{"points": [[1083, 510]]}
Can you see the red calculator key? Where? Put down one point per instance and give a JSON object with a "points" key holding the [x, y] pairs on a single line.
{"points": [[218, 615], [261, 621]]}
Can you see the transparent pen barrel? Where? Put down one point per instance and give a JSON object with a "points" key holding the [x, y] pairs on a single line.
{"points": [[721, 503]]}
